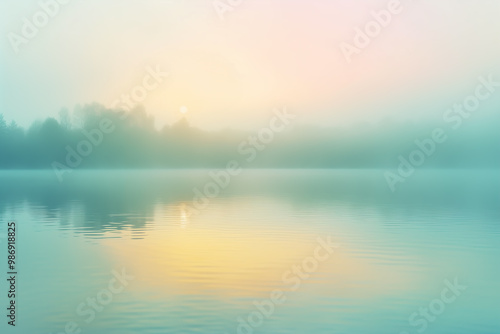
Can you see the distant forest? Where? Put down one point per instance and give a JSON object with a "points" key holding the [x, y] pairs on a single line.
{"points": [[134, 142]]}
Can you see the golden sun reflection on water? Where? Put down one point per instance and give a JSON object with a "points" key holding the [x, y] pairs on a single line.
{"points": [[204, 255]]}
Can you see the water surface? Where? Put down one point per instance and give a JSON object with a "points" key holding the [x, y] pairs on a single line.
{"points": [[199, 272]]}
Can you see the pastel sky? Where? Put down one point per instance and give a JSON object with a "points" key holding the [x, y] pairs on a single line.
{"points": [[265, 54]]}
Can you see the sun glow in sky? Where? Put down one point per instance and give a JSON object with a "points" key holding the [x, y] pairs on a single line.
{"points": [[265, 54]]}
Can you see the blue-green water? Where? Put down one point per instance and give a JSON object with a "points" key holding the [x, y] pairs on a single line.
{"points": [[199, 272]]}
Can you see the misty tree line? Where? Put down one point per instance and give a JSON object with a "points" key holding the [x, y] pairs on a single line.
{"points": [[136, 143]]}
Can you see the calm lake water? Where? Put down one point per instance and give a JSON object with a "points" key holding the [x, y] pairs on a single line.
{"points": [[200, 272]]}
